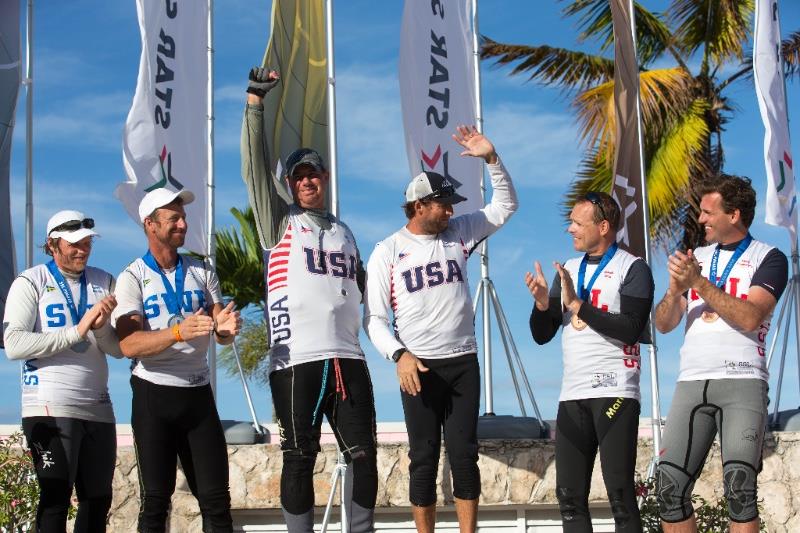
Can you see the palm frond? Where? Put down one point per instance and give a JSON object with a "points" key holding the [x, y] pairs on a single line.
{"points": [[568, 69], [664, 94], [790, 49], [720, 27], [652, 35], [239, 261]]}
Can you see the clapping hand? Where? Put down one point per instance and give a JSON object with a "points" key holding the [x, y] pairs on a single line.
{"points": [[569, 297], [228, 321], [104, 309], [196, 325], [538, 286]]}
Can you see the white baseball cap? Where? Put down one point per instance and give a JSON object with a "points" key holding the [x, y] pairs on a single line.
{"points": [[160, 197], [70, 225]]}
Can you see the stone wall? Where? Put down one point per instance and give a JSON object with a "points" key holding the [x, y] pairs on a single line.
{"points": [[513, 472]]}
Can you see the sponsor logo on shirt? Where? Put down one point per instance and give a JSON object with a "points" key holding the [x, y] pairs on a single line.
{"points": [[604, 379], [738, 368], [49, 288], [145, 281]]}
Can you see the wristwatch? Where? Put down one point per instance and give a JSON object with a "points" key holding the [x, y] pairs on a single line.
{"points": [[398, 354]]}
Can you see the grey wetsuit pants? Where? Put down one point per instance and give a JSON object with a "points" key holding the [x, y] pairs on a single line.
{"points": [[736, 409]]}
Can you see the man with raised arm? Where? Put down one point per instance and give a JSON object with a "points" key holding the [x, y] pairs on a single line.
{"points": [[169, 306], [604, 318], [727, 290], [420, 273], [313, 315]]}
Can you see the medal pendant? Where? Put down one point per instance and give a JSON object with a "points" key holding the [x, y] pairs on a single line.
{"points": [[709, 316], [577, 323], [175, 319]]}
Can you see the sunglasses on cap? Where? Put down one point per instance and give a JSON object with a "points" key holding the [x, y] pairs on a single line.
{"points": [[75, 225], [598, 201], [445, 192]]}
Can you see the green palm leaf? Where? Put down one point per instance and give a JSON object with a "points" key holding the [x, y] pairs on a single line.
{"points": [[553, 66], [239, 261], [790, 48], [721, 27], [652, 35]]}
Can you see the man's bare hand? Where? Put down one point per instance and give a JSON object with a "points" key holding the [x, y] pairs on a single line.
{"points": [[196, 325], [408, 368], [538, 286], [475, 143], [569, 298]]}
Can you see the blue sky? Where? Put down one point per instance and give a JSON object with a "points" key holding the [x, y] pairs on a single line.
{"points": [[86, 61]]}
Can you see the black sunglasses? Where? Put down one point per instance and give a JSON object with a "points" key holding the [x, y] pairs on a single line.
{"points": [[75, 225], [598, 201], [445, 192]]}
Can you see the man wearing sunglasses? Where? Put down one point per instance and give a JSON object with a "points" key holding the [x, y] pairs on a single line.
{"points": [[313, 313], [56, 321], [420, 273], [604, 319]]}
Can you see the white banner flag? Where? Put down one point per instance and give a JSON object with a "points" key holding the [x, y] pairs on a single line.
{"points": [[437, 92], [771, 91], [165, 142]]}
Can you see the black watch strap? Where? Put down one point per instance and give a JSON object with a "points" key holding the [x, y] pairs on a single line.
{"points": [[398, 354]]}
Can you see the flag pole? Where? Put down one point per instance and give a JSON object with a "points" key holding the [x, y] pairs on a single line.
{"points": [[484, 250], [212, 244], [29, 136], [331, 96], [654, 387]]}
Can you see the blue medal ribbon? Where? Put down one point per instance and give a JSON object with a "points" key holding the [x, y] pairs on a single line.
{"points": [[76, 312], [737, 253], [584, 292], [174, 296]]}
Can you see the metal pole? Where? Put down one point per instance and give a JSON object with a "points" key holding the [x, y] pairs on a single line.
{"points": [[791, 297], [779, 322], [654, 389], [332, 160], [503, 323], [250, 405], [484, 249], [212, 241], [511, 369], [29, 136]]}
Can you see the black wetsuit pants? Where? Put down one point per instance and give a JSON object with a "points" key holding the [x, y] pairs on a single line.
{"points": [[583, 427], [179, 422], [449, 401], [71, 452], [340, 390]]}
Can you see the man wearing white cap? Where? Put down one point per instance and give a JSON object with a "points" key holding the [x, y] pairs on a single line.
{"points": [[420, 272], [56, 321], [313, 314], [169, 306]]}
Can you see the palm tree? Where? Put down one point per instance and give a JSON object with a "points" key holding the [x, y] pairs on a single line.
{"points": [[684, 105], [241, 275]]}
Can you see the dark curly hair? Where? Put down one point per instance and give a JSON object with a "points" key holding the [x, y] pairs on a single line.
{"points": [[736, 192]]}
